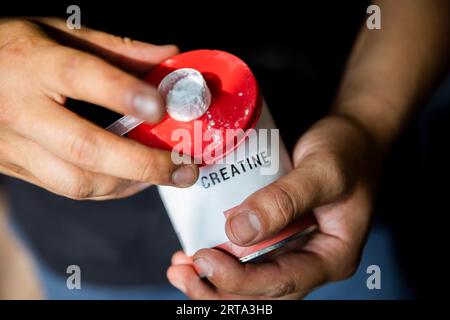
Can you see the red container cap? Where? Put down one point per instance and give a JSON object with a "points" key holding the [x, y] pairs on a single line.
{"points": [[235, 104]]}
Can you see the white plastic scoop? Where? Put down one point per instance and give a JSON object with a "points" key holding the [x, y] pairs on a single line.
{"points": [[186, 93]]}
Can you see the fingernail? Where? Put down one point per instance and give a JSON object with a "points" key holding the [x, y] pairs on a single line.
{"points": [[148, 106], [184, 176], [245, 226], [228, 212], [178, 284], [204, 267], [168, 46]]}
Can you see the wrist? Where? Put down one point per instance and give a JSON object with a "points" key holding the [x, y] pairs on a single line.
{"points": [[379, 118]]}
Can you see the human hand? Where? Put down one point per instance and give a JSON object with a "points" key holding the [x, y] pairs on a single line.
{"points": [[42, 63], [335, 164]]}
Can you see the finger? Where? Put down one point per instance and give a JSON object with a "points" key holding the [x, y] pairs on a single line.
{"points": [[91, 148], [131, 55], [180, 258], [270, 209], [40, 167], [82, 76], [286, 274], [185, 279], [15, 161]]}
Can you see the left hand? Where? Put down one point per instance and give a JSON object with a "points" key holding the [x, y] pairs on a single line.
{"points": [[335, 162]]}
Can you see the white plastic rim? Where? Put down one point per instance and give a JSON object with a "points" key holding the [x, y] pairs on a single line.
{"points": [[186, 94]]}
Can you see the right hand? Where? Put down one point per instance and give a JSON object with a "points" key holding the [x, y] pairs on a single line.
{"points": [[46, 144]]}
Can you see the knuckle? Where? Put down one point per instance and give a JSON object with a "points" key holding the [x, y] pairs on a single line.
{"points": [[348, 269], [70, 65], [154, 167], [117, 186], [347, 264], [345, 271], [79, 188], [148, 169], [16, 169], [114, 76], [20, 40], [234, 286], [16, 48], [282, 289], [283, 203], [83, 149], [336, 170]]}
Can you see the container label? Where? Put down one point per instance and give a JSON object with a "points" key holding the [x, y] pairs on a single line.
{"points": [[197, 212]]}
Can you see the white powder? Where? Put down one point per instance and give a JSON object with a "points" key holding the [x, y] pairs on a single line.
{"points": [[186, 93]]}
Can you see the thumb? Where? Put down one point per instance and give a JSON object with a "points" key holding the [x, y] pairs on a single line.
{"points": [[313, 183]]}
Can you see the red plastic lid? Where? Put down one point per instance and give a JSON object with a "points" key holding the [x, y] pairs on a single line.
{"points": [[235, 103]]}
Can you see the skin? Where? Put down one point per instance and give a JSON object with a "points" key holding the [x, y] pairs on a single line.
{"points": [[336, 164], [45, 144]]}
